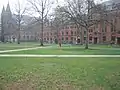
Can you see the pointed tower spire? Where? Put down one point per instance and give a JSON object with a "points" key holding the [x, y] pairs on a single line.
{"points": [[8, 8], [3, 10]]}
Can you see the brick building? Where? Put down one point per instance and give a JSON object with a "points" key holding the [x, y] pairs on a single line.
{"points": [[102, 33], [107, 32]]}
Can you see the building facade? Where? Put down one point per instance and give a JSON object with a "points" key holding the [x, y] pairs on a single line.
{"points": [[8, 25], [107, 32], [101, 33]]}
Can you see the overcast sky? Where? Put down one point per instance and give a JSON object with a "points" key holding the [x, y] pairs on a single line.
{"points": [[13, 2]]}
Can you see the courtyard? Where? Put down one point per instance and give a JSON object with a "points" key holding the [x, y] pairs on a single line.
{"points": [[59, 73]]}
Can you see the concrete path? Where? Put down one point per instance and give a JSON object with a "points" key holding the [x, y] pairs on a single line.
{"points": [[48, 56], [4, 51]]}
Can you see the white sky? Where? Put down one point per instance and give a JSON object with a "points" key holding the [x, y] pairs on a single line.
{"points": [[13, 2]]}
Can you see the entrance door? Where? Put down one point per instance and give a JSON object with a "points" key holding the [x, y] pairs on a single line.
{"points": [[78, 41], [95, 40], [118, 40]]}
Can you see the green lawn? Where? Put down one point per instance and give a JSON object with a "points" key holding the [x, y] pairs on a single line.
{"points": [[72, 50], [59, 73], [64, 50], [11, 46]]}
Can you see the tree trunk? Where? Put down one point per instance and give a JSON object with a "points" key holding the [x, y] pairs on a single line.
{"points": [[41, 40], [81, 34], [86, 44], [18, 41], [58, 36], [87, 27]]}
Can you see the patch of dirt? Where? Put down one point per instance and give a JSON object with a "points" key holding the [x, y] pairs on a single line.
{"points": [[34, 82], [29, 83], [96, 88], [66, 87]]}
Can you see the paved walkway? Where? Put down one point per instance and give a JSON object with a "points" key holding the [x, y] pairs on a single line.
{"points": [[29, 55], [48, 56], [22, 49]]}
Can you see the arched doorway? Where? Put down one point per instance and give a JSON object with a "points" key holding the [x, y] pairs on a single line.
{"points": [[95, 40], [78, 40]]}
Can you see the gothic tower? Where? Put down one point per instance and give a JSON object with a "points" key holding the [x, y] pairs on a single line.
{"points": [[6, 17], [8, 13], [2, 24]]}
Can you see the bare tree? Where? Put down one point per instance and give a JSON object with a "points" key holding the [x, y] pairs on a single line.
{"points": [[81, 12], [42, 9], [59, 21], [19, 13]]}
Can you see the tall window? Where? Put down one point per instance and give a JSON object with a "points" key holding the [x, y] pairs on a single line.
{"points": [[74, 39], [118, 32], [90, 38], [66, 33], [71, 32], [95, 33], [44, 39], [84, 38], [85, 32], [62, 38], [66, 38], [104, 38], [27, 37], [62, 33]]}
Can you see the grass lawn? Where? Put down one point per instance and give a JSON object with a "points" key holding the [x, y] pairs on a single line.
{"points": [[71, 50], [64, 50], [11, 46], [60, 73]]}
